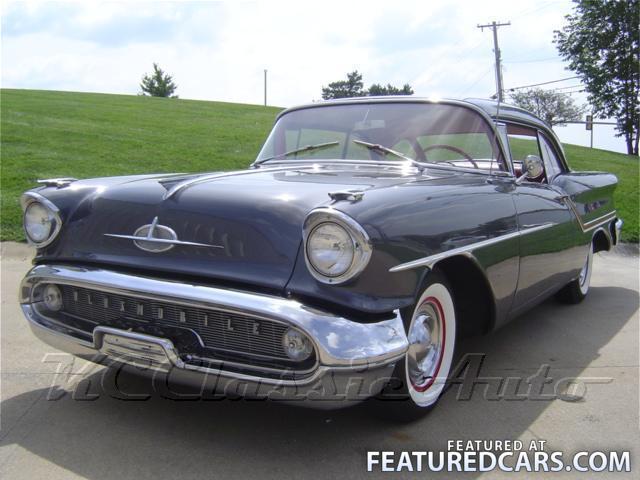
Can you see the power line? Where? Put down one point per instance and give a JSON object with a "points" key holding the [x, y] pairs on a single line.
{"points": [[535, 9], [549, 59], [496, 50], [569, 87], [484, 74], [543, 83]]}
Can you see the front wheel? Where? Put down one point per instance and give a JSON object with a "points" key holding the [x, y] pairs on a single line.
{"points": [[576, 291], [420, 378]]}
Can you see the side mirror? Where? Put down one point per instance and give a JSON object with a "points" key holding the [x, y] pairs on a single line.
{"points": [[532, 167]]}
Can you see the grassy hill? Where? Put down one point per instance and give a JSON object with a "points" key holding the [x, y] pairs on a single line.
{"points": [[47, 134]]}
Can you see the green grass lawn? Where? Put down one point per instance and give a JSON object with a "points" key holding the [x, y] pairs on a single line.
{"points": [[48, 134]]}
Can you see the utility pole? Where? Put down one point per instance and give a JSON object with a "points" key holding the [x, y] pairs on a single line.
{"points": [[494, 26], [265, 87]]}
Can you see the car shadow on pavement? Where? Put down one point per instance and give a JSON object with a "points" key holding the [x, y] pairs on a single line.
{"points": [[108, 438]]}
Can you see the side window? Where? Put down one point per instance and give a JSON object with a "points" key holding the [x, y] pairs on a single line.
{"points": [[523, 141], [464, 149], [552, 163]]}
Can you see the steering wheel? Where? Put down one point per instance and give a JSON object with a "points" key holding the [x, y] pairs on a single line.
{"points": [[453, 149]]}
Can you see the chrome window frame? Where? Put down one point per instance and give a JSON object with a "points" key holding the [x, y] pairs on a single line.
{"points": [[501, 146]]}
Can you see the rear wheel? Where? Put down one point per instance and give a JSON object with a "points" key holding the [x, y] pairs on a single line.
{"points": [[576, 291], [420, 378]]}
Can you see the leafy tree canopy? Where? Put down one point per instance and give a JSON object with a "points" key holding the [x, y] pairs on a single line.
{"points": [[380, 90], [158, 84], [553, 107], [354, 87], [601, 43]]}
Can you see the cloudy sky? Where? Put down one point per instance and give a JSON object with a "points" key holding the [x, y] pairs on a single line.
{"points": [[219, 50]]}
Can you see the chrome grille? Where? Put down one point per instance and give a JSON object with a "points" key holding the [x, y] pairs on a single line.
{"points": [[218, 329]]}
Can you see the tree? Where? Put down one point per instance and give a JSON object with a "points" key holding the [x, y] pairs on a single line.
{"points": [[379, 90], [553, 107], [158, 84], [352, 87], [601, 43]]}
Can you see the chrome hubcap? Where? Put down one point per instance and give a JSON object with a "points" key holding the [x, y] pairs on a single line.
{"points": [[425, 346]]}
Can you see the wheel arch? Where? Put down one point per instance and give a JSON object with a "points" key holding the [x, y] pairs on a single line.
{"points": [[601, 240], [473, 297]]}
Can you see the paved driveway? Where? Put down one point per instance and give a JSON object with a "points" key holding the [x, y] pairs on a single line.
{"points": [[107, 438]]}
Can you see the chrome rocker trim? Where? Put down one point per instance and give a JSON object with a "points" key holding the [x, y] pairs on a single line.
{"points": [[354, 358]]}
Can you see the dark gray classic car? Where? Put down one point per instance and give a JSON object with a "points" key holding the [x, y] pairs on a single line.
{"points": [[368, 236]]}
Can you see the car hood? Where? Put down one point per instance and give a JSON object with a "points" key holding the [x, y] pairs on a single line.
{"points": [[251, 219]]}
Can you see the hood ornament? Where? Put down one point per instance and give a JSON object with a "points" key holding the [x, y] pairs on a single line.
{"points": [[156, 238], [57, 182], [348, 195]]}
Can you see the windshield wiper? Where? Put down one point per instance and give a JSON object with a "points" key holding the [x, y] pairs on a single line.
{"points": [[306, 148], [385, 150]]}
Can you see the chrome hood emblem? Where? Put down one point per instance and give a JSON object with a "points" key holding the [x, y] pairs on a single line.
{"points": [[156, 238]]}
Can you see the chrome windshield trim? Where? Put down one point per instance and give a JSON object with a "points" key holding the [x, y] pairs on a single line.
{"points": [[402, 165], [431, 260], [409, 99]]}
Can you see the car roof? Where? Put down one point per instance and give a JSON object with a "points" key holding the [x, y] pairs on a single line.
{"points": [[506, 111], [490, 107]]}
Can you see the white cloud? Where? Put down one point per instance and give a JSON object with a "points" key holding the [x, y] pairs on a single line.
{"points": [[218, 50]]}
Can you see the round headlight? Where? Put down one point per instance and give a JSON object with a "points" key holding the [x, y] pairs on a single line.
{"points": [[39, 222], [336, 247], [297, 345], [41, 219], [330, 249]]}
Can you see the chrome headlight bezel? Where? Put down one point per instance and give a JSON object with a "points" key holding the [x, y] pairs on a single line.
{"points": [[362, 248], [30, 198]]}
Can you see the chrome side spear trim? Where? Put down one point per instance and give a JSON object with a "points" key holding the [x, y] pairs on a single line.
{"points": [[467, 249]]}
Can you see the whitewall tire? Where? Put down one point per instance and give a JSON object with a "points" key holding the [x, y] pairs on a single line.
{"points": [[420, 378], [431, 335], [576, 290]]}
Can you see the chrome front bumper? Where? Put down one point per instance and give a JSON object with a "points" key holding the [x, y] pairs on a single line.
{"points": [[354, 360]]}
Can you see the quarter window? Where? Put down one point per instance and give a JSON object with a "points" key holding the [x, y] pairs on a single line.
{"points": [[551, 162]]}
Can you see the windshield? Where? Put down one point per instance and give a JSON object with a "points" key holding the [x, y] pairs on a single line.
{"points": [[432, 133]]}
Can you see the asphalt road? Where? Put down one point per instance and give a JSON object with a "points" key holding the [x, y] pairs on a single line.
{"points": [[107, 438]]}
